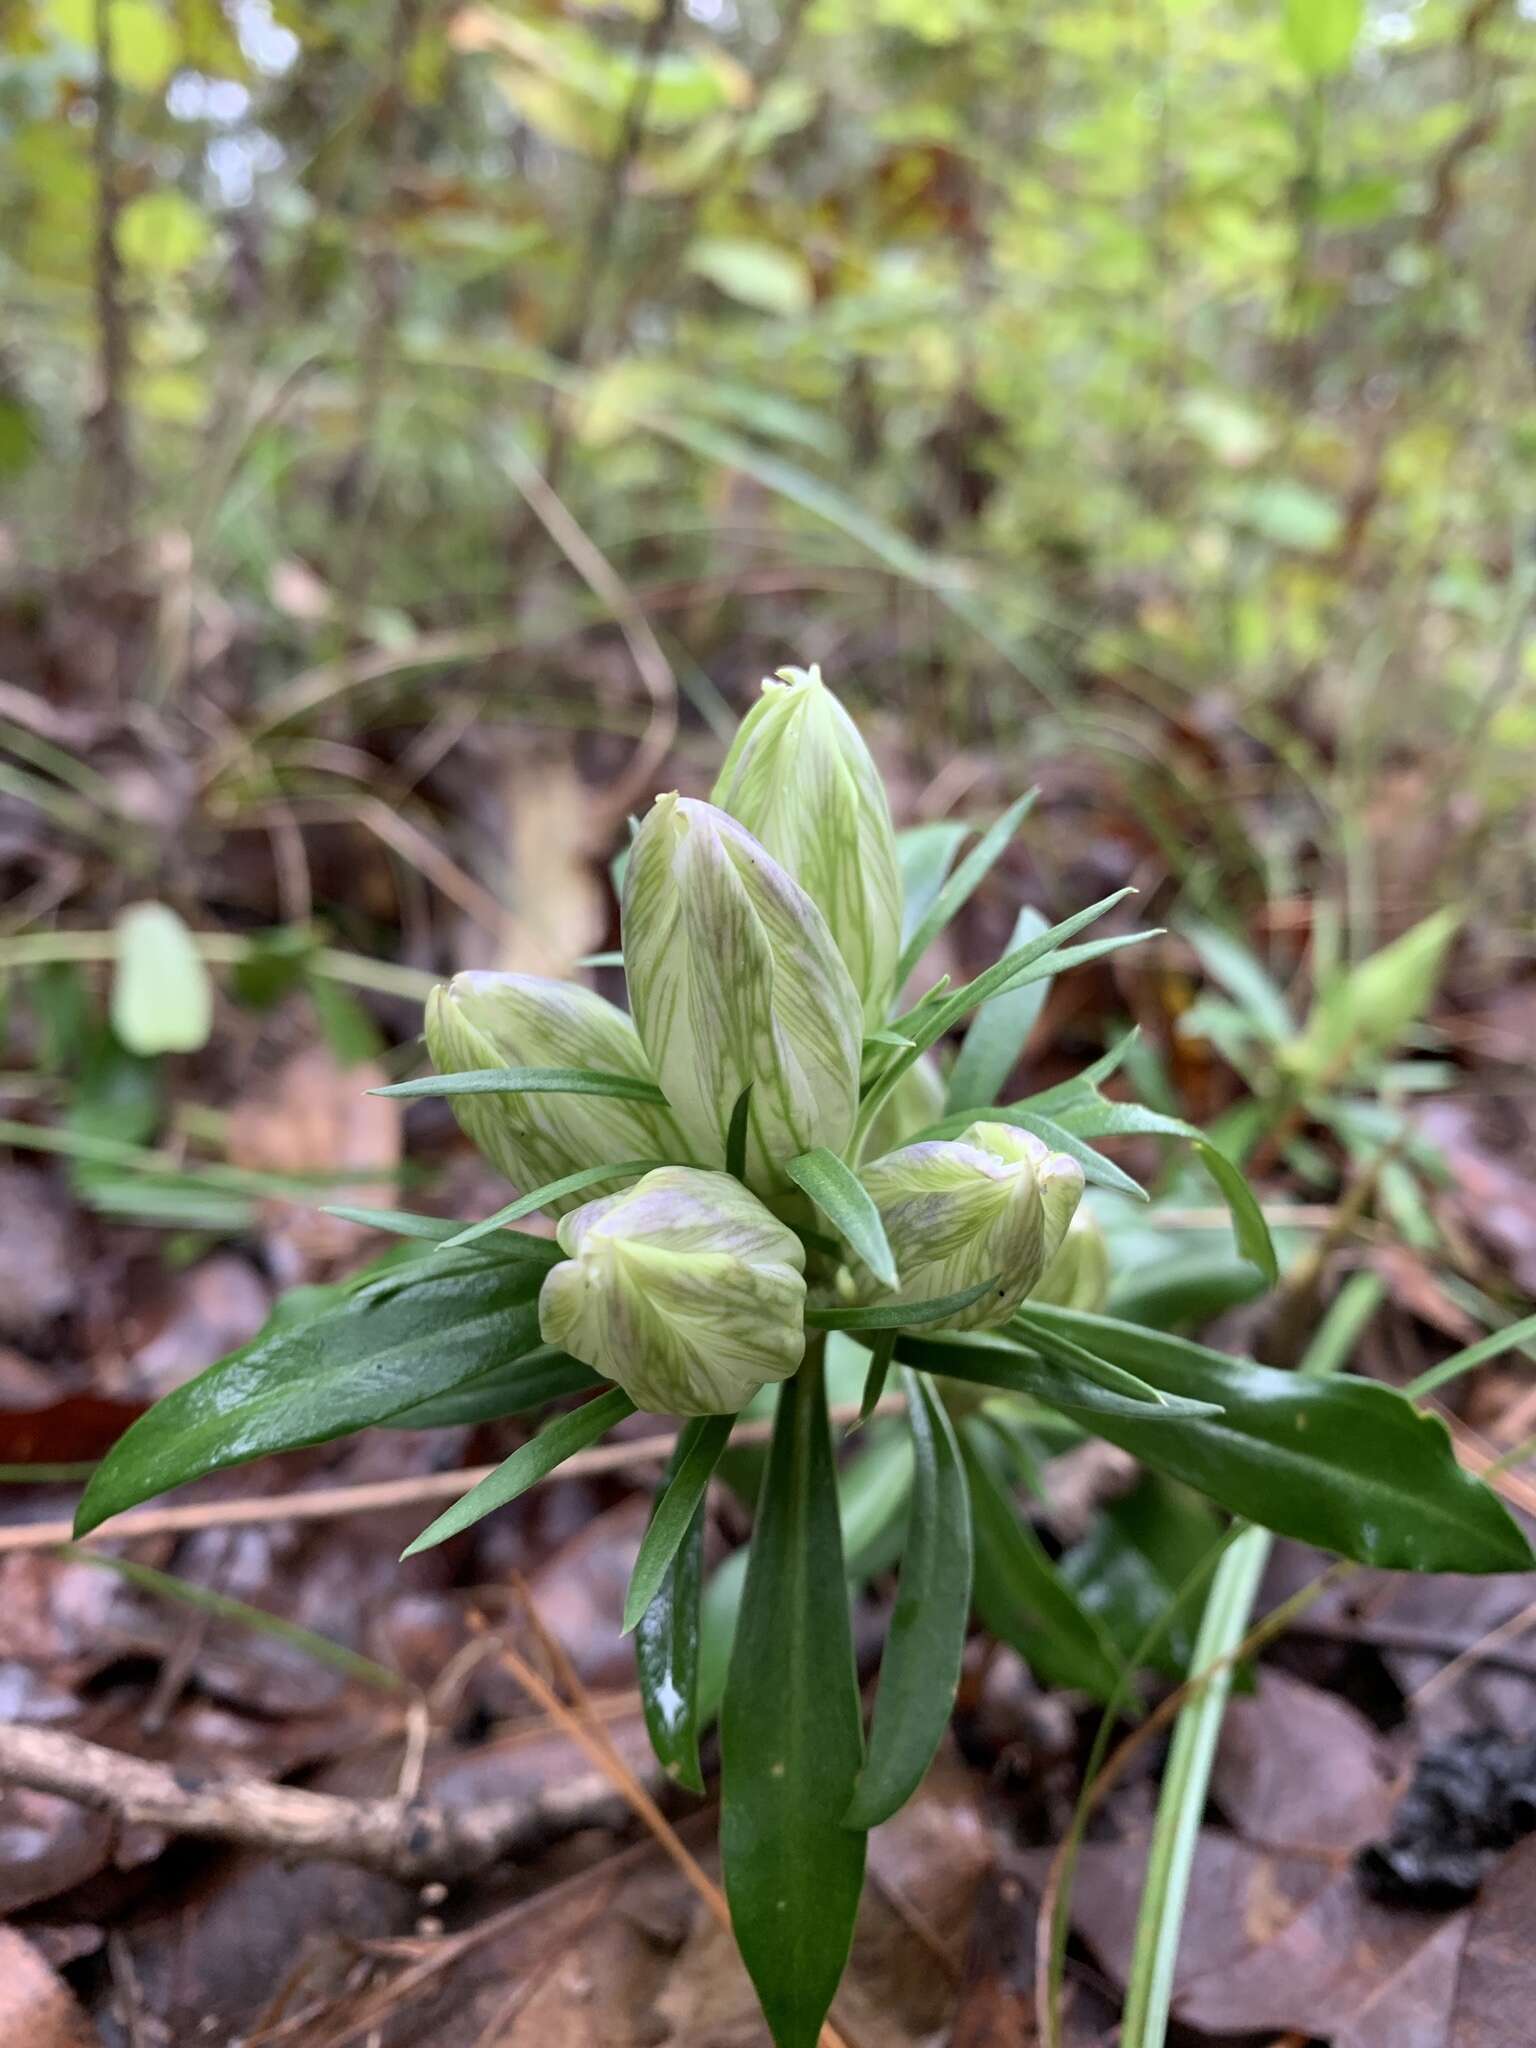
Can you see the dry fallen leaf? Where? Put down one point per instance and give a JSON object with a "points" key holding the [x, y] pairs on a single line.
{"points": [[317, 1118], [1495, 1997], [36, 2007]]}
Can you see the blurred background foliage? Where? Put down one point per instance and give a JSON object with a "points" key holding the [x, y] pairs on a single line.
{"points": [[1150, 386]]}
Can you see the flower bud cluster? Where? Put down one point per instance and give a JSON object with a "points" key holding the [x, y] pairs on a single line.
{"points": [[761, 934]]}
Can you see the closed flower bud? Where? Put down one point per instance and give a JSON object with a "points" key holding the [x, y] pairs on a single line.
{"points": [[801, 779], [1078, 1276], [993, 1203], [683, 1289], [519, 1020], [736, 983]]}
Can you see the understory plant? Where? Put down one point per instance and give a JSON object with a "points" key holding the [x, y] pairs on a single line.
{"points": [[766, 1183]]}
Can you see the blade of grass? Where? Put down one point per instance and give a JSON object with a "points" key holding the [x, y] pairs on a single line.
{"points": [[1187, 1777]]}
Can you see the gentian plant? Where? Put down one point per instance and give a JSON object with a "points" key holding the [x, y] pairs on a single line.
{"points": [[758, 1160]]}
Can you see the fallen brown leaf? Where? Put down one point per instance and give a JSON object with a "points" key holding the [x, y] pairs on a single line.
{"points": [[36, 2007], [1495, 2002]]}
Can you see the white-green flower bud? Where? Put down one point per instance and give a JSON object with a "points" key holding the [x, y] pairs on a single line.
{"points": [[993, 1203], [735, 982], [801, 779], [1078, 1277], [520, 1020], [683, 1289]]}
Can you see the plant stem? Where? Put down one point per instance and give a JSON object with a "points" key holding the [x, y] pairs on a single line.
{"points": [[1186, 1780]]}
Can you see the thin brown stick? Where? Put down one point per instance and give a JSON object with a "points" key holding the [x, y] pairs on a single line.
{"points": [[323, 1503], [413, 1840], [107, 427]]}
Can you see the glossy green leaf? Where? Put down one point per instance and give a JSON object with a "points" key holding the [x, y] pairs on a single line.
{"points": [[668, 1633], [847, 1205], [897, 1315], [699, 1445], [957, 891], [1094, 1117], [400, 1336], [920, 1668], [881, 1353], [511, 1387], [527, 1081], [1023, 1598], [1138, 1568], [162, 999], [1185, 1290], [999, 1031], [1347, 1464], [791, 1734], [528, 1464], [986, 1358], [552, 1191]]}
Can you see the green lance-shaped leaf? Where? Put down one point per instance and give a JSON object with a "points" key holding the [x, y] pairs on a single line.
{"points": [[957, 891], [994, 1200], [395, 1338], [1023, 1598], [902, 1315], [920, 1669], [791, 1735], [684, 1288], [736, 981], [1363, 1013], [510, 1387], [848, 1207], [547, 1197], [527, 1465], [995, 1040], [927, 1023], [669, 1635], [1347, 1464], [1067, 1378], [576, 1086], [925, 854], [699, 1446], [162, 999], [802, 781]]}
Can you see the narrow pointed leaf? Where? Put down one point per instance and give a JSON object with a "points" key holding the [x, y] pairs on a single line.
{"points": [[526, 1467], [921, 1665], [928, 1022], [1067, 1378], [699, 1446], [791, 1735], [963, 883], [398, 1222], [1097, 1170], [925, 853], [359, 1356], [1023, 1598], [552, 1191], [881, 1353], [998, 1033], [1229, 962], [528, 1081], [897, 1315], [848, 1206], [668, 1640], [1347, 1464]]}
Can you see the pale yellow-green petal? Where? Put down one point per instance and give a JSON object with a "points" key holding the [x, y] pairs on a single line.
{"points": [[801, 779], [735, 982], [522, 1020], [684, 1290]]}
